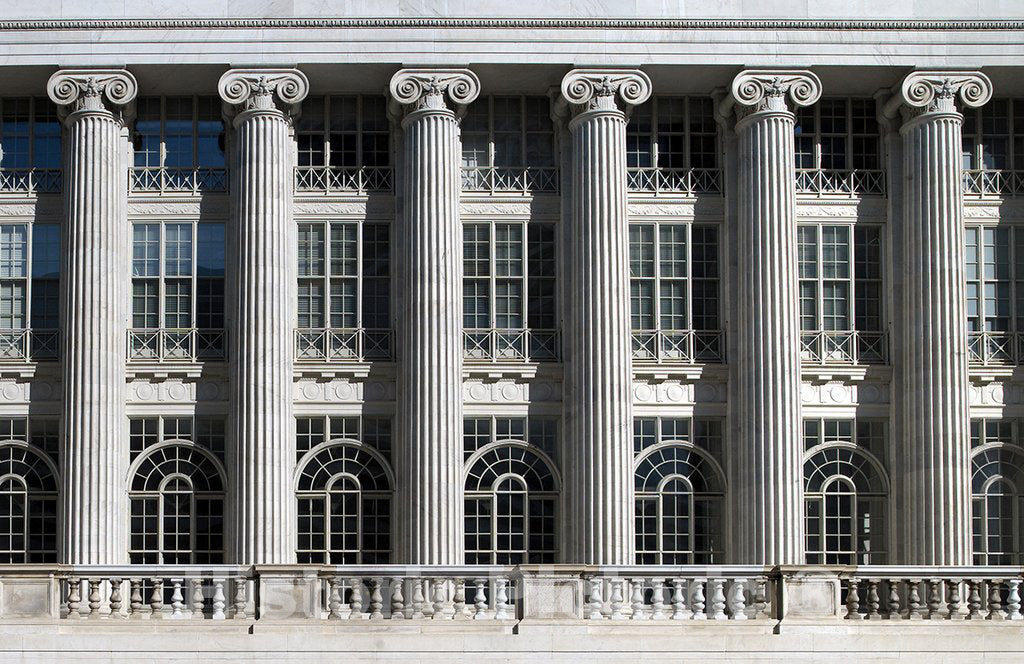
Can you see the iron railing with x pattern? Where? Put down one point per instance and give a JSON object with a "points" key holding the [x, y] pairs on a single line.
{"points": [[146, 179], [844, 347], [30, 180], [679, 346], [688, 181], [993, 183], [846, 183], [24, 345], [343, 345], [511, 345], [331, 179], [995, 348], [177, 345], [522, 179]]}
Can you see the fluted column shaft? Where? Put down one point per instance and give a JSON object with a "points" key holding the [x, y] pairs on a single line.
{"points": [[429, 408], [262, 457]]}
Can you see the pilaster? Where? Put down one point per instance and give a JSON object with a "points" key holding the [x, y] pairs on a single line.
{"points": [[261, 103], [94, 313], [598, 415], [428, 457]]}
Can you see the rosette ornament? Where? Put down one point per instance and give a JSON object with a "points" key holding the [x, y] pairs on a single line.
{"points": [[937, 91], [423, 89], [92, 89], [593, 89], [263, 89]]}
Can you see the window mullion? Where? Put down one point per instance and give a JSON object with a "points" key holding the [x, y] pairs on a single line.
{"points": [[193, 277], [358, 313], [687, 135], [524, 248], [819, 241], [163, 134], [27, 306], [359, 133], [492, 291], [326, 159], [688, 253], [654, 133], [31, 141], [490, 132], [656, 280], [851, 294]]}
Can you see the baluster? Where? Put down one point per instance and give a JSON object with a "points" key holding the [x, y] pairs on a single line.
{"points": [[893, 612], [852, 600], [74, 597], [617, 599], [156, 599], [596, 601], [914, 599], [197, 598], [459, 598], [934, 599], [417, 599], [355, 599], [439, 599], [376, 599], [241, 589], [115, 598], [717, 599], [1013, 600], [995, 603], [334, 598], [94, 597], [658, 601], [761, 599], [973, 599], [135, 603], [177, 602], [480, 600], [501, 606], [397, 599], [218, 599], [953, 588], [873, 600], [679, 610], [637, 600], [697, 599], [738, 600]]}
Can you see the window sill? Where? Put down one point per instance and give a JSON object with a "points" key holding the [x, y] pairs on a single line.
{"points": [[158, 371], [847, 373], [483, 370], [686, 373]]}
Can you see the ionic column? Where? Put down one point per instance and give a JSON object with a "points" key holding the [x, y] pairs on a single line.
{"points": [[766, 477], [94, 310], [932, 487], [598, 407], [261, 303], [428, 462]]}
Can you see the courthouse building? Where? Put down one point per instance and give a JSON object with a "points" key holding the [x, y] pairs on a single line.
{"points": [[541, 321]]}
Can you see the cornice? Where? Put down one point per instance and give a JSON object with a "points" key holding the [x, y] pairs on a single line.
{"points": [[504, 23]]}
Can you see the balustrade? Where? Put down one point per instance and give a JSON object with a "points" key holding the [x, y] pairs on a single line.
{"points": [[688, 181], [679, 346], [30, 180], [936, 593], [845, 183], [995, 348], [29, 345], [844, 347], [343, 345], [177, 345], [982, 183], [145, 179], [525, 179], [330, 179], [511, 345]]}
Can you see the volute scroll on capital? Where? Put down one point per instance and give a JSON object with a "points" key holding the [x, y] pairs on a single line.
{"points": [[92, 89], [937, 92], [605, 89], [756, 90], [263, 89], [432, 89]]}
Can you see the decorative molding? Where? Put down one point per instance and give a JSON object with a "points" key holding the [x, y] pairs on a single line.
{"points": [[263, 89], [936, 91], [92, 89], [191, 208], [598, 89], [842, 394], [495, 208], [383, 206], [340, 390], [846, 209], [507, 391], [427, 89], [756, 90]]}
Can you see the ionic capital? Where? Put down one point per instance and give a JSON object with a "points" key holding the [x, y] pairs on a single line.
{"points": [[92, 89], [937, 92], [432, 89], [263, 90], [605, 89], [755, 90]]}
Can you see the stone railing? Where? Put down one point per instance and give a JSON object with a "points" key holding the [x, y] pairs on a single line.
{"points": [[29, 345], [844, 347], [30, 180], [343, 345], [511, 345], [177, 345], [687, 181], [846, 183], [522, 179], [159, 180], [679, 346], [982, 183], [356, 180], [995, 348]]}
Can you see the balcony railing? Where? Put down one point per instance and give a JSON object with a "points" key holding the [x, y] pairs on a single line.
{"points": [[524, 180], [993, 183], [29, 345], [688, 181], [847, 183], [178, 180], [995, 348], [343, 345], [30, 180], [329, 179], [679, 346], [844, 347], [511, 345], [177, 345]]}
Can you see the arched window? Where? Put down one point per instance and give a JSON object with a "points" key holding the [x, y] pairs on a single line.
{"points": [[28, 505], [996, 501], [845, 503], [679, 494], [177, 505], [511, 496], [344, 492]]}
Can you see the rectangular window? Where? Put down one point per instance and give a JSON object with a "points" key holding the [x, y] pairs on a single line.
{"points": [[373, 430], [205, 430], [994, 292], [29, 290], [673, 133], [30, 136], [838, 134], [512, 133], [344, 132], [993, 138], [185, 137], [539, 431]]}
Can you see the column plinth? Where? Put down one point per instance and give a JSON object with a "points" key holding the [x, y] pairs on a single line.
{"points": [[261, 305], [766, 470], [598, 411], [429, 409]]}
